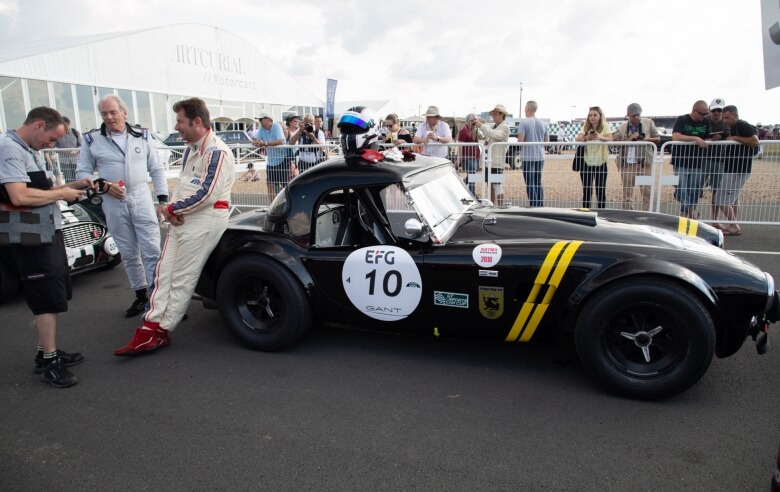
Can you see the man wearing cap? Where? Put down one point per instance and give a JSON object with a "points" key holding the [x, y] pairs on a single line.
{"points": [[636, 160], [498, 132], [271, 135], [713, 166], [434, 134], [687, 159], [532, 130]]}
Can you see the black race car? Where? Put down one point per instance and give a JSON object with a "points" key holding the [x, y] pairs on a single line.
{"points": [[88, 244], [647, 299]]}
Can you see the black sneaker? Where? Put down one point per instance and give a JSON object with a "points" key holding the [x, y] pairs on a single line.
{"points": [[56, 375], [136, 308], [68, 360]]}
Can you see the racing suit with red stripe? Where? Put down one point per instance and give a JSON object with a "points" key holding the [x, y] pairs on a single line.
{"points": [[202, 197]]}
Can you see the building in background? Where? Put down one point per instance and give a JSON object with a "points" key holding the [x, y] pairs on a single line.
{"points": [[151, 70]]}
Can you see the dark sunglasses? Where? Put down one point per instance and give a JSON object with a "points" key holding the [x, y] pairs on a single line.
{"points": [[702, 113]]}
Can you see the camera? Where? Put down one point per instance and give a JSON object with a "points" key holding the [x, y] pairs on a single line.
{"points": [[641, 136], [309, 128]]}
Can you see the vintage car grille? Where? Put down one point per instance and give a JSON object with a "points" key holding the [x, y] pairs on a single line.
{"points": [[83, 234]]}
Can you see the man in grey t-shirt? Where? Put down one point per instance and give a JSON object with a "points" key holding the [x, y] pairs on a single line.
{"points": [[42, 269], [533, 130]]}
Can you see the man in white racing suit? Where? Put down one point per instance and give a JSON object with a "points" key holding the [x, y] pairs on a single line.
{"points": [[198, 213], [124, 158]]}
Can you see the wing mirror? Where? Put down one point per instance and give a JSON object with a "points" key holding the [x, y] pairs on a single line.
{"points": [[413, 228]]}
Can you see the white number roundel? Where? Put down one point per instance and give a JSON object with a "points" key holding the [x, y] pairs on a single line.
{"points": [[382, 282]]}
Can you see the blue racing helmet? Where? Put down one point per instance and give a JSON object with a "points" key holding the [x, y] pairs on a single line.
{"points": [[359, 129]]}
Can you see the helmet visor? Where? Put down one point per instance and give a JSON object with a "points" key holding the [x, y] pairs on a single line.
{"points": [[357, 120]]}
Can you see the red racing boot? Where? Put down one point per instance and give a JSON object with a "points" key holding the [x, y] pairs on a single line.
{"points": [[147, 337]]}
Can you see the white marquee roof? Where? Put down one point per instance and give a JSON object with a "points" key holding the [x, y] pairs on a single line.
{"points": [[211, 63]]}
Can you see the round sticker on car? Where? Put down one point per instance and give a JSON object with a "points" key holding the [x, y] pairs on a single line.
{"points": [[382, 282], [487, 255]]}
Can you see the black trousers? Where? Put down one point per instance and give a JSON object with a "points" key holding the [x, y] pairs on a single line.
{"points": [[590, 175]]}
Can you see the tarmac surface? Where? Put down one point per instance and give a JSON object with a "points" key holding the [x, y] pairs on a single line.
{"points": [[346, 410]]}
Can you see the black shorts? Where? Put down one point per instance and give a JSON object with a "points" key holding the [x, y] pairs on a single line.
{"points": [[45, 276]]}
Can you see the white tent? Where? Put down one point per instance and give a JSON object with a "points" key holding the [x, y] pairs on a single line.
{"points": [[171, 63]]}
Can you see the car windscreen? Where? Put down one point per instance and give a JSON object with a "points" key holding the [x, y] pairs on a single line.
{"points": [[442, 203]]}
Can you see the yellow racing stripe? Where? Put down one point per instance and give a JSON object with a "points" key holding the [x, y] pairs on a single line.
{"points": [[559, 257], [688, 227]]}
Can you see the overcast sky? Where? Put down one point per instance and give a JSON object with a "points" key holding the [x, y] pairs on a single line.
{"points": [[470, 55]]}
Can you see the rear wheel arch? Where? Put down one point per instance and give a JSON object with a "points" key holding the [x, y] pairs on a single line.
{"points": [[286, 255]]}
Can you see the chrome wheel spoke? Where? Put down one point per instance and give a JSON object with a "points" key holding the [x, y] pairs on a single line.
{"points": [[646, 352]]}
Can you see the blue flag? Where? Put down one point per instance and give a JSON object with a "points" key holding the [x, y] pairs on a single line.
{"points": [[331, 99]]}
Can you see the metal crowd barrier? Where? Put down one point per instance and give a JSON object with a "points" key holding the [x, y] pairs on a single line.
{"points": [[756, 197]]}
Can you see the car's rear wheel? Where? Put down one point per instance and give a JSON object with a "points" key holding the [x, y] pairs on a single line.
{"points": [[645, 338], [262, 303]]}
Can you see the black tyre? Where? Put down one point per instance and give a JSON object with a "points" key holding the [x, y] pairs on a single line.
{"points": [[9, 283], [262, 303], [645, 338]]}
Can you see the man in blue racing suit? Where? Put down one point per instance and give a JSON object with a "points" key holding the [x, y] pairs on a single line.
{"points": [[124, 157]]}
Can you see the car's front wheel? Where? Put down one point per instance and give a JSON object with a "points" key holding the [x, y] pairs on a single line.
{"points": [[645, 338], [262, 303]]}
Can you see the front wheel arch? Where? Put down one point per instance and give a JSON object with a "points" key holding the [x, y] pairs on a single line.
{"points": [[674, 337]]}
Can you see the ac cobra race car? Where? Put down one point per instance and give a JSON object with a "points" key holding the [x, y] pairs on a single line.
{"points": [[646, 299]]}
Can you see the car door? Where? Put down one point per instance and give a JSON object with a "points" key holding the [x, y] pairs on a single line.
{"points": [[361, 273]]}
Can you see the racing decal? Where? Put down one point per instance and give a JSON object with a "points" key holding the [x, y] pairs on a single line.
{"points": [[72, 254], [688, 227], [382, 282], [491, 302], [84, 255], [550, 274], [486, 255], [488, 273], [450, 299]]}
